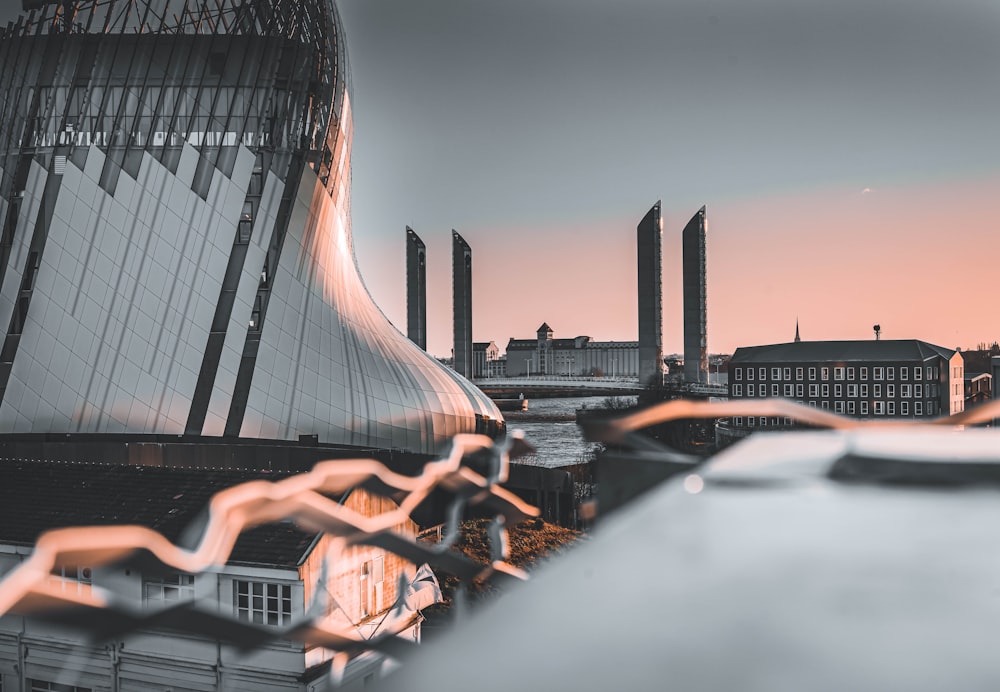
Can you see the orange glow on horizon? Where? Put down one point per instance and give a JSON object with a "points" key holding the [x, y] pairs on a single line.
{"points": [[914, 258]]}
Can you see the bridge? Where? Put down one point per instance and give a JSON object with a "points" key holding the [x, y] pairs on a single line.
{"points": [[562, 385], [558, 385]]}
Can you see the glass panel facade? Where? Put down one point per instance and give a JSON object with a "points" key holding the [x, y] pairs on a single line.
{"points": [[177, 250]]}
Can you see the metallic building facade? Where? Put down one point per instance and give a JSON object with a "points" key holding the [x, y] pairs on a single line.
{"points": [[649, 237], [176, 252], [695, 302], [416, 289], [461, 279]]}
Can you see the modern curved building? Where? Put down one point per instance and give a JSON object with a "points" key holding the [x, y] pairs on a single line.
{"points": [[176, 252]]}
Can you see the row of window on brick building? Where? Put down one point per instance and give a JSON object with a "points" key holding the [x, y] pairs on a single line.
{"points": [[854, 391], [877, 408], [840, 373]]}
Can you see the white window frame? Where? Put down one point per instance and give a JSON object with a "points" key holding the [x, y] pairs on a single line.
{"points": [[824, 373], [812, 374], [890, 372], [906, 391], [838, 373], [852, 391], [864, 408], [878, 373], [838, 407], [737, 390], [850, 373], [838, 390], [918, 408], [814, 390], [864, 373], [890, 408], [918, 391], [775, 373], [774, 390], [37, 685], [76, 579], [789, 390], [786, 374], [169, 588], [876, 390], [826, 391], [372, 580], [798, 373], [850, 407], [864, 391], [890, 390], [918, 372], [904, 408], [266, 602], [799, 389], [737, 374], [904, 372], [878, 408]]}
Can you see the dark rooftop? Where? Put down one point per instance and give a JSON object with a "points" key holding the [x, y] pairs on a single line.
{"points": [[38, 496], [841, 351]]}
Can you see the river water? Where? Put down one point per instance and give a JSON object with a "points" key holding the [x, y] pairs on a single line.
{"points": [[550, 427]]}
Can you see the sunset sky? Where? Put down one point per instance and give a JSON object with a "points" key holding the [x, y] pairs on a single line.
{"points": [[848, 153]]}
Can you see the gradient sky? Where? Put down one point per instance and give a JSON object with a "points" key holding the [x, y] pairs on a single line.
{"points": [[848, 153], [544, 129]]}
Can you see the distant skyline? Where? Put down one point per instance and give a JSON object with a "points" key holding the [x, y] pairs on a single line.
{"points": [[847, 153]]}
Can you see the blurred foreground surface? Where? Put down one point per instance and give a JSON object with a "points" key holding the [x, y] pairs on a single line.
{"points": [[812, 560]]}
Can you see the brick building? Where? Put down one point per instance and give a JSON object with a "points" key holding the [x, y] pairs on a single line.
{"points": [[866, 379], [579, 356]]}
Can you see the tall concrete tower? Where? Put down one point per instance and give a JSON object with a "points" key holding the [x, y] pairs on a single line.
{"points": [[461, 277], [416, 289], [695, 306], [649, 236]]}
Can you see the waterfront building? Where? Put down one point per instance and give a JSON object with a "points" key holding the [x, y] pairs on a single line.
{"points": [[649, 238], [866, 379], [274, 573], [176, 249], [461, 277], [580, 356], [695, 299], [416, 289], [486, 361]]}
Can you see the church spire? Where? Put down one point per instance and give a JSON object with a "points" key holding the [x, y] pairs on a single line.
{"points": [[797, 337]]}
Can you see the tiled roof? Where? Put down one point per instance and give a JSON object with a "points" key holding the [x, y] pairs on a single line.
{"points": [[37, 496], [841, 351]]}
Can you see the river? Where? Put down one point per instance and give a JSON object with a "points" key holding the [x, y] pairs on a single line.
{"points": [[549, 425]]}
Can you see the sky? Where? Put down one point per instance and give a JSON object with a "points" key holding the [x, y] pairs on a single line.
{"points": [[848, 155]]}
